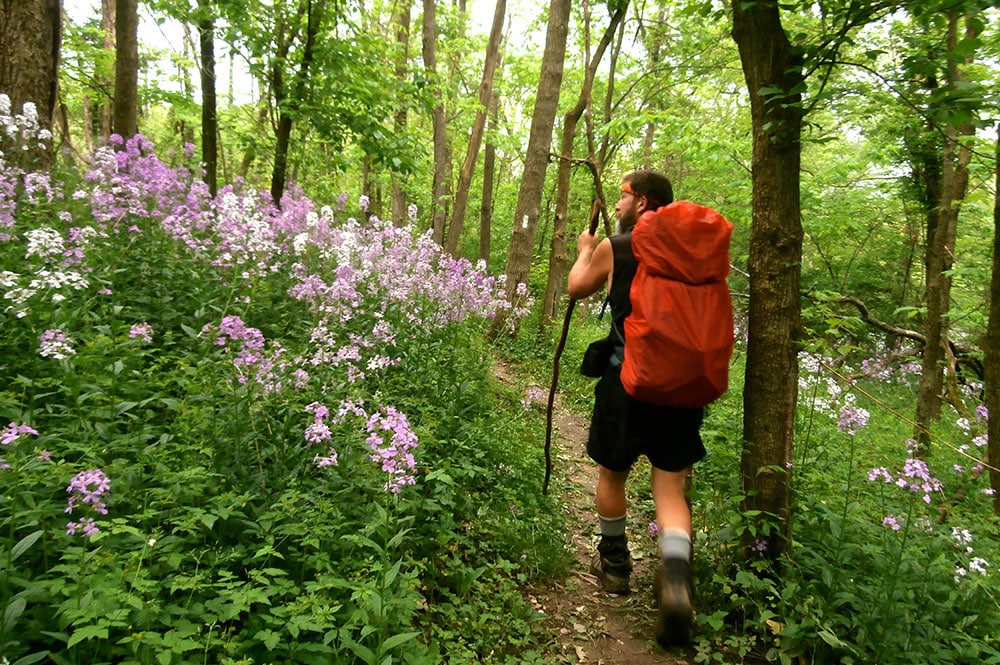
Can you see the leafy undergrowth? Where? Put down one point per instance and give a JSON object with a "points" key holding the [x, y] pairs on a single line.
{"points": [[235, 432], [894, 549]]}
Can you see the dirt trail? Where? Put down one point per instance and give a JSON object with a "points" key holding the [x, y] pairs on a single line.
{"points": [[590, 626]]}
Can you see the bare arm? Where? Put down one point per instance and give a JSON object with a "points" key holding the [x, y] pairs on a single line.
{"points": [[593, 267]]}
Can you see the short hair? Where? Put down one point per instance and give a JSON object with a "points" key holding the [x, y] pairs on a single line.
{"points": [[654, 186]]}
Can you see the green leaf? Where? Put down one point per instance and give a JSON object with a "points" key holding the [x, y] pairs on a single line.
{"points": [[22, 545], [87, 633], [14, 610], [360, 650], [122, 407], [268, 638], [397, 640], [31, 658]]}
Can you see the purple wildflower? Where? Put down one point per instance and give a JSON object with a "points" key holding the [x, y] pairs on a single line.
{"points": [[87, 488], [14, 432], [86, 524], [892, 522], [318, 431], [532, 396], [915, 476], [55, 343], [392, 440], [852, 419], [329, 460], [251, 340], [141, 331]]}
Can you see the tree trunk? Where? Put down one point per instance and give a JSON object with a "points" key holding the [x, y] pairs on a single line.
{"points": [[603, 152], [125, 110], [478, 126], [398, 206], [489, 169], [441, 186], [558, 255], [529, 196], [288, 104], [30, 35], [105, 103], [991, 345], [775, 252], [940, 253], [251, 152], [209, 110]]}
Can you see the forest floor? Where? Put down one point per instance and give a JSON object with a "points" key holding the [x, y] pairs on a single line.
{"points": [[587, 624]]}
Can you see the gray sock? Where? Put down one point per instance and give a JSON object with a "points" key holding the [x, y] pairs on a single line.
{"points": [[675, 544], [614, 526]]}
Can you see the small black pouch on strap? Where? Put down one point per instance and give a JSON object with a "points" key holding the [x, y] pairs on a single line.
{"points": [[596, 357]]}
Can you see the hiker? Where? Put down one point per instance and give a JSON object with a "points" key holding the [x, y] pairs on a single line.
{"points": [[623, 428]]}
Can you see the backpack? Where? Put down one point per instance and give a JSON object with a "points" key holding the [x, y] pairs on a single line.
{"points": [[679, 335]]}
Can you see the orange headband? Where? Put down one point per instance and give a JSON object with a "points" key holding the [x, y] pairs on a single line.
{"points": [[627, 189]]}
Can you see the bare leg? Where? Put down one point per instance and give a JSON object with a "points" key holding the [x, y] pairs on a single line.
{"points": [[670, 499], [610, 499]]}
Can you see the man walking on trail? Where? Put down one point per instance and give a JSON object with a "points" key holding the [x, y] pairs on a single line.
{"points": [[623, 428]]}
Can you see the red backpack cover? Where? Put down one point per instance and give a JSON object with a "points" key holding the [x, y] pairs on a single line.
{"points": [[679, 336]]}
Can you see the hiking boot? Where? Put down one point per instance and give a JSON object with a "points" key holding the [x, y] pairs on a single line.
{"points": [[612, 564], [672, 586]]}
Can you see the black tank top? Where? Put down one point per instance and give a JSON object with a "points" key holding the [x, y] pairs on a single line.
{"points": [[621, 283]]}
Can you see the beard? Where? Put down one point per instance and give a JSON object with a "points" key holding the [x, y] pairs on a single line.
{"points": [[626, 222]]}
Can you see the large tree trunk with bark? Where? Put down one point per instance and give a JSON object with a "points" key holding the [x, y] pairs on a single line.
{"points": [[770, 389], [209, 107], [125, 108], [288, 102], [489, 169], [30, 36], [398, 205], [478, 127], [441, 186], [529, 196], [991, 345], [940, 254]]}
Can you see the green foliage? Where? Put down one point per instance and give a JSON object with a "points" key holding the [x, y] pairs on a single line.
{"points": [[223, 540], [878, 571]]}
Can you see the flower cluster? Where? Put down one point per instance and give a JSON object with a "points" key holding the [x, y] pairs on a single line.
{"points": [[392, 268], [141, 331], [14, 432], [319, 430], [265, 366], [129, 182], [8, 436], [915, 477], [55, 344], [53, 255], [392, 441], [975, 564], [20, 132], [250, 340], [852, 418], [87, 488], [532, 396]]}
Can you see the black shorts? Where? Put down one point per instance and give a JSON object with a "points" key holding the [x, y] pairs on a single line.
{"points": [[623, 428]]}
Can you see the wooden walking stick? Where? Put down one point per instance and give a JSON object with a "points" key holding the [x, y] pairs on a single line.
{"points": [[595, 218]]}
